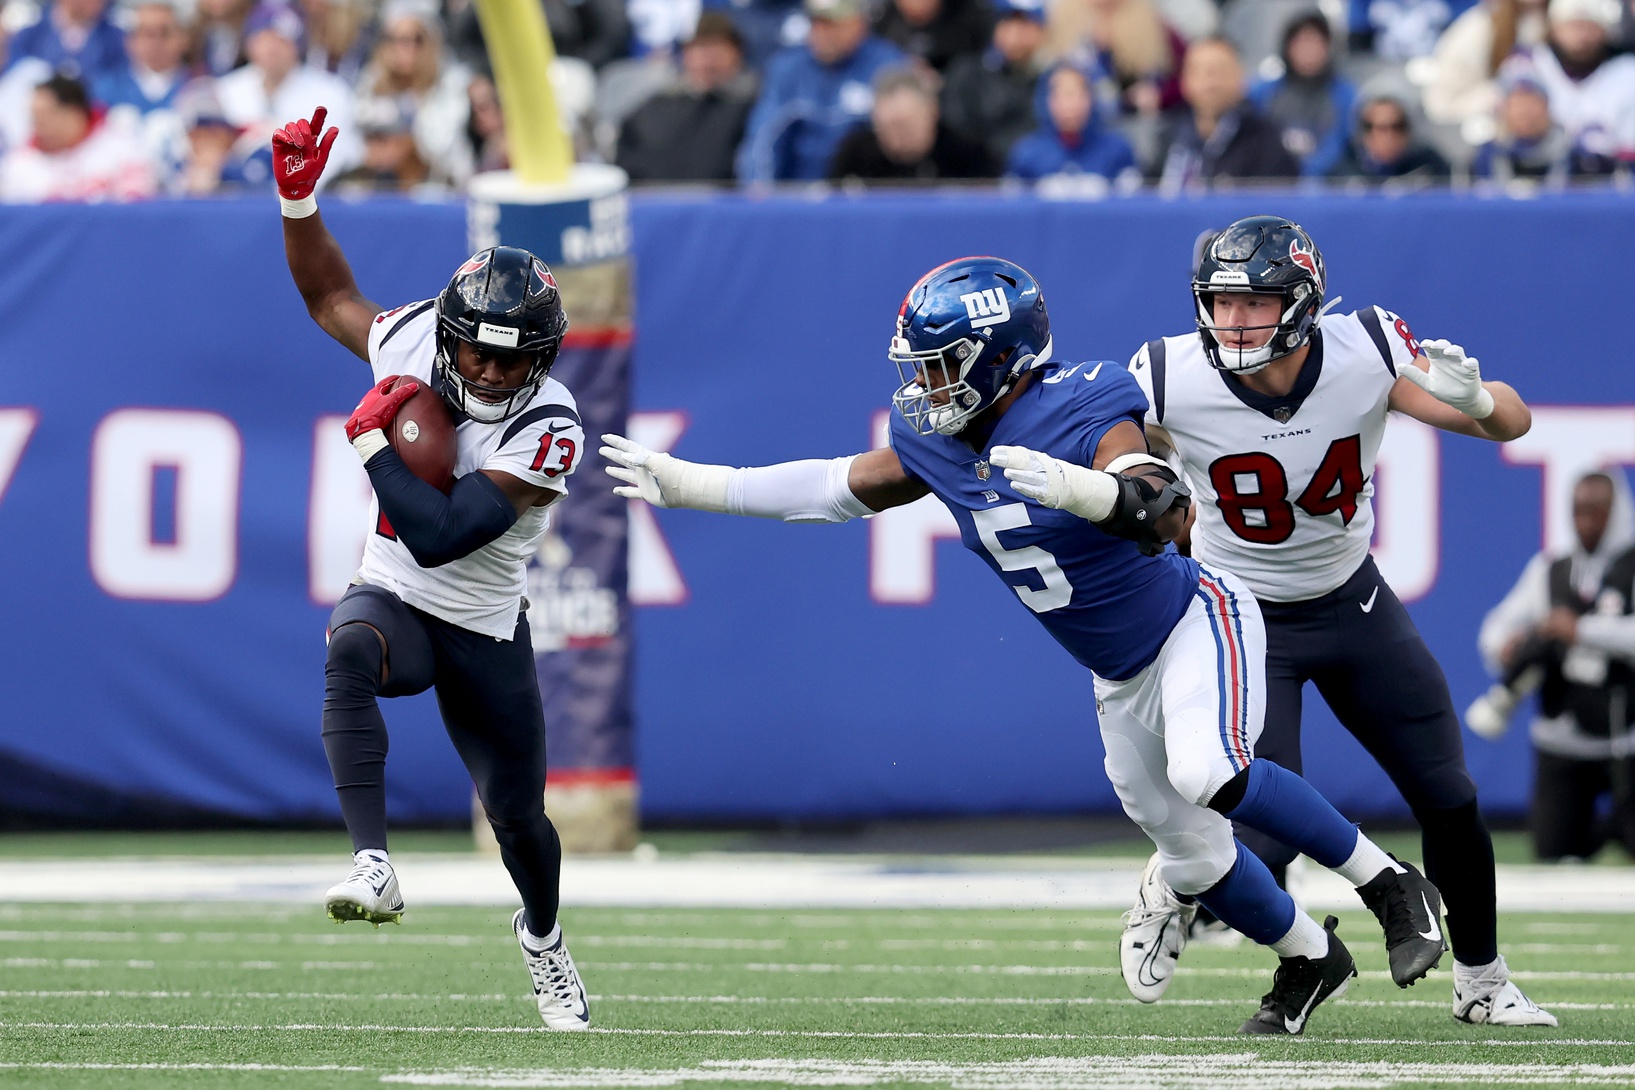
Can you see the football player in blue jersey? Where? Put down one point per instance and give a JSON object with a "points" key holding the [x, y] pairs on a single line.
{"points": [[1077, 525]]}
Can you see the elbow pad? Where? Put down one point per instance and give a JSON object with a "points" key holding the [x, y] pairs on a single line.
{"points": [[1142, 501]]}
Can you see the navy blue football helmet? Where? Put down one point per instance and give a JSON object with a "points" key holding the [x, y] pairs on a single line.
{"points": [[964, 334], [1260, 255], [503, 299]]}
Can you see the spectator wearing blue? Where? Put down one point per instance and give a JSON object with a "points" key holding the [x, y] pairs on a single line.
{"points": [[1071, 138], [814, 94], [156, 44], [990, 98], [1531, 149], [76, 38], [1400, 30], [1309, 104], [1385, 152]]}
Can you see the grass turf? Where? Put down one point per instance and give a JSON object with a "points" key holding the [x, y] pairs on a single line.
{"points": [[224, 995]]}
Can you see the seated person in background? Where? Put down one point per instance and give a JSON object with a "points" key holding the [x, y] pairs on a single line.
{"points": [[813, 95], [990, 97], [1219, 136], [1592, 92], [905, 140], [1566, 629], [1138, 52], [1308, 103], [1530, 146], [340, 36], [936, 31], [1463, 87], [1071, 138], [156, 41], [1383, 150], [392, 162], [485, 128], [75, 155], [690, 132], [74, 37], [218, 157], [219, 35], [275, 85], [412, 68]]}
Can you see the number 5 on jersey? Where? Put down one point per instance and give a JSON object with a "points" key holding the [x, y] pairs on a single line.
{"points": [[1263, 514]]}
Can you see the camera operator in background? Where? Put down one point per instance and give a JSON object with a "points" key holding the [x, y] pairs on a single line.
{"points": [[1566, 630]]}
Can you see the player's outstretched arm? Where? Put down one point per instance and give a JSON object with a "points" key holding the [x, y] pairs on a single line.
{"points": [[813, 490], [324, 279], [1449, 393], [1128, 492]]}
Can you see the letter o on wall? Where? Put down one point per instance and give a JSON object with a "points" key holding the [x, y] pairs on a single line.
{"points": [[200, 558]]}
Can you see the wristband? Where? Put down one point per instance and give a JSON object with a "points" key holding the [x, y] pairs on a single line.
{"points": [[1483, 407], [298, 209], [370, 443]]}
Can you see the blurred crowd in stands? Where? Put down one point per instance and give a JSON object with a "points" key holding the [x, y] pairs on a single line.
{"points": [[1079, 98]]}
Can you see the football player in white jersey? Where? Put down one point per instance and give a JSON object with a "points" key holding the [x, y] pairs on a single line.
{"points": [[438, 601], [1276, 412]]}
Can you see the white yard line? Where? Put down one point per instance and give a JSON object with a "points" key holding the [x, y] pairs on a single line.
{"points": [[732, 881]]}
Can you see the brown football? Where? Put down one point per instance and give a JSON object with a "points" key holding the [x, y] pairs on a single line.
{"points": [[423, 435]]}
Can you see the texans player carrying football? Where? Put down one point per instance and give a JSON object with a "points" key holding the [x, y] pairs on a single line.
{"points": [[1276, 413], [438, 602]]}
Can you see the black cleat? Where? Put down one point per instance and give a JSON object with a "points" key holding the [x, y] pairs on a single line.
{"points": [[1409, 910], [1302, 983]]}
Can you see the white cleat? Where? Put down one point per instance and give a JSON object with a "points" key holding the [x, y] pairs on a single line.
{"points": [[1485, 995], [557, 987], [369, 893], [1155, 933]]}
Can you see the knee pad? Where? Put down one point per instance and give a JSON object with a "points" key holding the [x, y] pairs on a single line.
{"points": [[354, 660], [1197, 776]]}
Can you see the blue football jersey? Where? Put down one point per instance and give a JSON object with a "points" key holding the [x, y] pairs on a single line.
{"points": [[1109, 606]]}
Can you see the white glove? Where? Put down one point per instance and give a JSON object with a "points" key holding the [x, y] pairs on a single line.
{"points": [[1453, 379], [1087, 493], [662, 480]]}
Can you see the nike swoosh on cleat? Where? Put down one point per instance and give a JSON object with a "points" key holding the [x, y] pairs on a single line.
{"points": [[1295, 1025], [1368, 606], [1435, 933]]}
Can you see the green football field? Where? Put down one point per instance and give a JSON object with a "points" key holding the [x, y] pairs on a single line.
{"points": [[263, 995]]}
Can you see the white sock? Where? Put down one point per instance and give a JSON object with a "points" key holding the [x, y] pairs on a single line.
{"points": [[1365, 863], [539, 944], [1306, 939], [377, 854]]}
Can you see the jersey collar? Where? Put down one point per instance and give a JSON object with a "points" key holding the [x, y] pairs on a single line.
{"points": [[1282, 409]]}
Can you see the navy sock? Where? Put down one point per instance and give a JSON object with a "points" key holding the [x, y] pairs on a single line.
{"points": [[1285, 807], [1248, 900]]}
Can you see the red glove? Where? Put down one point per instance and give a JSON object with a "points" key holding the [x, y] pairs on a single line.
{"points": [[299, 156], [379, 406]]}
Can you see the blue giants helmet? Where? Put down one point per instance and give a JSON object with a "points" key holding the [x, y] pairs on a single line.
{"points": [[964, 333]]}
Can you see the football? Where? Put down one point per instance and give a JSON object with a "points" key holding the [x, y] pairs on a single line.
{"points": [[422, 433]]}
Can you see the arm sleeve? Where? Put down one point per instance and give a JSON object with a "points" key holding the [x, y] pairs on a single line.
{"points": [[813, 490], [436, 528], [1520, 610], [1614, 635]]}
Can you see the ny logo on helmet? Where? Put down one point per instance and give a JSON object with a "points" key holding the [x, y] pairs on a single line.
{"points": [[987, 307]]}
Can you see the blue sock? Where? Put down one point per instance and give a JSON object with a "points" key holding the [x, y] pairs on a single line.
{"points": [[1287, 808], [1250, 901]]}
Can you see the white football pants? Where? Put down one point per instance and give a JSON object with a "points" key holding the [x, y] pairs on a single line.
{"points": [[1178, 730]]}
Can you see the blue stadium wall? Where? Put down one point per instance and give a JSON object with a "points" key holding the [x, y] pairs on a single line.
{"points": [[782, 672]]}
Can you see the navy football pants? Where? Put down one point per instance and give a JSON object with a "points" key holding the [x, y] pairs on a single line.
{"points": [[1384, 686], [488, 694]]}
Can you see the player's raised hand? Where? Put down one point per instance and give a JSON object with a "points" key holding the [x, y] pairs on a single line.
{"points": [[300, 152], [1453, 378], [1087, 493], [663, 480]]}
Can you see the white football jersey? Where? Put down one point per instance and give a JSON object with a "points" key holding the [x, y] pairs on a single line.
{"points": [[1283, 486], [542, 444]]}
